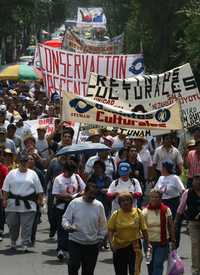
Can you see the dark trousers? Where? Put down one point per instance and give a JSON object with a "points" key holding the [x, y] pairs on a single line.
{"points": [[189, 183], [124, 261], [62, 235], [84, 256], [51, 214], [173, 205], [2, 216], [35, 224]]}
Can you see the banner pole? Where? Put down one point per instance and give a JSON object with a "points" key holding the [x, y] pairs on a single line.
{"points": [[78, 134], [61, 112]]}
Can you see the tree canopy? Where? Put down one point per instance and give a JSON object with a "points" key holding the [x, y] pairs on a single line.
{"points": [[166, 31]]}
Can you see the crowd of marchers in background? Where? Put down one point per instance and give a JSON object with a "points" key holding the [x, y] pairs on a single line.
{"points": [[131, 199]]}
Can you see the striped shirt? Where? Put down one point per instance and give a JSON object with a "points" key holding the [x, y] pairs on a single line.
{"points": [[193, 160]]}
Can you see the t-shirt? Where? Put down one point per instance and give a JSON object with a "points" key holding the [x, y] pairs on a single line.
{"points": [[110, 166], [3, 173], [71, 185], [152, 219], [161, 154], [171, 186], [23, 131], [127, 226], [146, 160], [131, 185], [117, 142], [22, 184], [43, 148]]}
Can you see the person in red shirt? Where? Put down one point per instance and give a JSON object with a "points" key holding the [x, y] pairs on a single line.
{"points": [[3, 174]]}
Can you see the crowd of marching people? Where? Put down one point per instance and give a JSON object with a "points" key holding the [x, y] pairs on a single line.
{"points": [[131, 199]]}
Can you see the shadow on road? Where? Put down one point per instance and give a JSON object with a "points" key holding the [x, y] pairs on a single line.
{"points": [[54, 262], [50, 252], [106, 261], [47, 241], [11, 252]]}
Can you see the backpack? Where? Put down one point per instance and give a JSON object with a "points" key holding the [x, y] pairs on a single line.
{"points": [[132, 181]]}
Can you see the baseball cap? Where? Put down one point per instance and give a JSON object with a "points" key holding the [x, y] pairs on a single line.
{"points": [[124, 169]]}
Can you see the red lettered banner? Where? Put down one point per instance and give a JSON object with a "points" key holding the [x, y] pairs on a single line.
{"points": [[85, 110], [70, 71]]}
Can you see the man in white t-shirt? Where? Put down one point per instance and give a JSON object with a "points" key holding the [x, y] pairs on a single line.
{"points": [[107, 159], [124, 184], [167, 152], [41, 142], [66, 187]]}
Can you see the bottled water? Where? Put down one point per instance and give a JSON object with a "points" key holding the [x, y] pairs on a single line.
{"points": [[149, 255]]}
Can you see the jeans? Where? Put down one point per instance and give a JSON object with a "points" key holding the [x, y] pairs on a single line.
{"points": [[62, 235], [84, 256], [159, 255]]}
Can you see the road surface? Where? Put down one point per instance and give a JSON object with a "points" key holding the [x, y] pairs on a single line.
{"points": [[41, 260]]}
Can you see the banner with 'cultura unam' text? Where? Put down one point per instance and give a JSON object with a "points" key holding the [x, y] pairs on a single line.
{"points": [[84, 110]]}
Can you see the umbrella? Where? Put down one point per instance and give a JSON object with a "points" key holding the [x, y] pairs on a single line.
{"points": [[53, 43], [90, 148], [19, 72]]}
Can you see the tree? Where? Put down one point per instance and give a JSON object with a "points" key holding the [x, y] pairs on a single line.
{"points": [[154, 23], [21, 20], [188, 44]]}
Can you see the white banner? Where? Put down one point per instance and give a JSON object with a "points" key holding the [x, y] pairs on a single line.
{"points": [[84, 110], [42, 122], [69, 71], [75, 42], [149, 92], [94, 17]]}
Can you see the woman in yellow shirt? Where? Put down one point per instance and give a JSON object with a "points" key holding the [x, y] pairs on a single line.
{"points": [[126, 227], [158, 218]]}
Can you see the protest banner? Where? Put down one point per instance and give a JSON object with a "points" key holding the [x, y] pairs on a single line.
{"points": [[76, 43], [148, 92], [42, 122], [147, 133], [94, 17], [84, 110], [69, 71]]}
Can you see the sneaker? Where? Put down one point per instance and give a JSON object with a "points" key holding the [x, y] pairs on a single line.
{"points": [[25, 248], [13, 245], [60, 255], [1, 238], [51, 235]]}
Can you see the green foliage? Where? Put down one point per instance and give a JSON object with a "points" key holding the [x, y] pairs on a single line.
{"points": [[21, 20], [166, 31], [189, 43]]}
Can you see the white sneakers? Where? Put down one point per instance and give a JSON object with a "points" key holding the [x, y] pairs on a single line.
{"points": [[13, 245], [60, 255]]}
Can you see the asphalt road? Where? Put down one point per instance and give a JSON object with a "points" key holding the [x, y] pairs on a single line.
{"points": [[41, 260]]}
